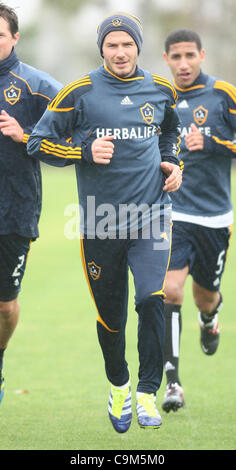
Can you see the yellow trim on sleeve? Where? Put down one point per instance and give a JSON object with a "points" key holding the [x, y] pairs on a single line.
{"points": [[178, 147], [60, 150], [25, 138], [163, 81], [228, 88], [53, 106], [227, 143], [181, 165]]}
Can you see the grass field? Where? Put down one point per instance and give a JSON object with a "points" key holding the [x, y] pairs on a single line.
{"points": [[56, 389]]}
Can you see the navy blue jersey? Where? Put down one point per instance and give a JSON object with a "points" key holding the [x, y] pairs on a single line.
{"points": [[205, 194], [25, 94], [140, 113]]}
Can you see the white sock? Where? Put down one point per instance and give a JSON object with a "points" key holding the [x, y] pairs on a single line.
{"points": [[122, 387], [140, 394]]}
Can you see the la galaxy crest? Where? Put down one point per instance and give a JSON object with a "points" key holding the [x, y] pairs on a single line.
{"points": [[94, 270], [12, 94], [200, 115], [117, 22], [147, 112]]}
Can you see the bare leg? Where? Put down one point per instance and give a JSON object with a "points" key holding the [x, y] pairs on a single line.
{"points": [[205, 300], [9, 315]]}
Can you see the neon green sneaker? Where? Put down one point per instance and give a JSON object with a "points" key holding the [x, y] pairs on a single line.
{"points": [[148, 416], [119, 408]]}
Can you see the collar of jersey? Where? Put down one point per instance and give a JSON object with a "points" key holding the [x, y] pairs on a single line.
{"points": [[200, 82], [8, 63], [138, 75]]}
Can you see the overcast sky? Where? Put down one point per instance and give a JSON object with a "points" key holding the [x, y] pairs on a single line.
{"points": [[24, 9]]}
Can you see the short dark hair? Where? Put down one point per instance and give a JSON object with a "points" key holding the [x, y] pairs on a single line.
{"points": [[9, 15], [182, 35]]}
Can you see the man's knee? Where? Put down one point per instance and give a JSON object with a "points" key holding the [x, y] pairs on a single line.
{"points": [[7, 309], [174, 293], [150, 304], [174, 286]]}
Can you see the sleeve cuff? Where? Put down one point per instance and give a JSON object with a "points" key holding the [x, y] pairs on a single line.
{"points": [[87, 152], [209, 144], [171, 159], [25, 138]]}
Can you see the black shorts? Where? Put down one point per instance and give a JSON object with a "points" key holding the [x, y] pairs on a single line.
{"points": [[14, 250], [203, 249]]}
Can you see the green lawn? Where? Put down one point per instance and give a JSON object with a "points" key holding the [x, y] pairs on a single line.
{"points": [[56, 389]]}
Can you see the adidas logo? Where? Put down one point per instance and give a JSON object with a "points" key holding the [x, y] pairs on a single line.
{"points": [[183, 104], [169, 366], [126, 100]]}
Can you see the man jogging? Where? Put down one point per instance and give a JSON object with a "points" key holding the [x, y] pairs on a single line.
{"points": [[122, 126]]}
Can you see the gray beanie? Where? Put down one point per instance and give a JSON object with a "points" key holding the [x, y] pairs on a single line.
{"points": [[120, 21]]}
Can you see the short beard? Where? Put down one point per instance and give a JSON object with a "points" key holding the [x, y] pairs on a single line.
{"points": [[122, 75]]}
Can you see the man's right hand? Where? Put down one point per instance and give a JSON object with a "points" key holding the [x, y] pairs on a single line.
{"points": [[10, 127], [102, 150], [194, 140]]}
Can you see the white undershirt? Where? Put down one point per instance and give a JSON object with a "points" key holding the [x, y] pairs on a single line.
{"points": [[217, 221]]}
